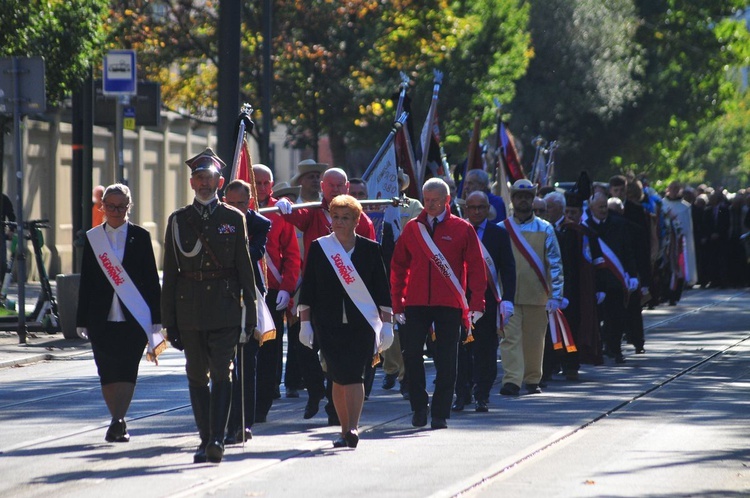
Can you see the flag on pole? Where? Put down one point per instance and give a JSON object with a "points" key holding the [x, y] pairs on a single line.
{"points": [[428, 153], [513, 167], [474, 158], [241, 162]]}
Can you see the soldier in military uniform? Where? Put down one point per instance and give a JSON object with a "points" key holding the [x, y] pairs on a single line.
{"points": [[207, 272]]}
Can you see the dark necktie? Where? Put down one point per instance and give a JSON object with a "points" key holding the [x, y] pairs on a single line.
{"points": [[434, 225]]}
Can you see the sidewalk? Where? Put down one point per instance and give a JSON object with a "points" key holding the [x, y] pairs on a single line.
{"points": [[39, 346]]}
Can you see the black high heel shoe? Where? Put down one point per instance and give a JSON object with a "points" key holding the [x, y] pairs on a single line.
{"points": [[351, 438], [340, 443]]}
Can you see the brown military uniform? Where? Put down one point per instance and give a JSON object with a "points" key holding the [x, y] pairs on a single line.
{"points": [[197, 294]]}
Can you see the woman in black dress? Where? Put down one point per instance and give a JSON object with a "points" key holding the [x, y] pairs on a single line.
{"points": [[117, 338], [347, 338]]}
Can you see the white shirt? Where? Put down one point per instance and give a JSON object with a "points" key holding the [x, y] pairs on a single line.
{"points": [[116, 237]]}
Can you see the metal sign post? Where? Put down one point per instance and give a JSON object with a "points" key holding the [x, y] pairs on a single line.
{"points": [[120, 80], [26, 98]]}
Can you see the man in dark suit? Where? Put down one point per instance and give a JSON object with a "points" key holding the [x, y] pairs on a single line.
{"points": [[477, 360], [259, 387], [716, 223], [207, 271], [613, 231]]}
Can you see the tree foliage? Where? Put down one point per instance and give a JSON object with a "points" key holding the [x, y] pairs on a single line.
{"points": [[67, 34], [585, 73]]}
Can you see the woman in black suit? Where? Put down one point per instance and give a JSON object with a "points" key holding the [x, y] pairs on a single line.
{"points": [[117, 338], [346, 337]]}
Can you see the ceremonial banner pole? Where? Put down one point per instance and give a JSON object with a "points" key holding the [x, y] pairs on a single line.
{"points": [[396, 201], [387, 143]]}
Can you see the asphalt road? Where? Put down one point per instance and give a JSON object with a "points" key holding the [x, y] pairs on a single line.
{"points": [[672, 422]]}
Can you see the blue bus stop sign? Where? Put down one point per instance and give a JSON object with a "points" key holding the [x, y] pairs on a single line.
{"points": [[120, 73]]}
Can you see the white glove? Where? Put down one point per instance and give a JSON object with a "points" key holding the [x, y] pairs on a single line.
{"points": [[600, 296], [400, 318], [156, 327], [306, 334], [284, 205], [386, 336], [553, 305], [475, 316], [565, 303], [82, 332], [632, 284], [282, 300], [506, 310]]}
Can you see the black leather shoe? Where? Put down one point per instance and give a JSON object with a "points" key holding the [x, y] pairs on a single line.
{"points": [[117, 432], [439, 423], [533, 389], [239, 436], [312, 407], [458, 405], [340, 443], [215, 451], [389, 381], [200, 454], [292, 392], [481, 406], [352, 439], [509, 389], [419, 419], [640, 350]]}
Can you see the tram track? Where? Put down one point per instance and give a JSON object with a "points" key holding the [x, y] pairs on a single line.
{"points": [[221, 480]]}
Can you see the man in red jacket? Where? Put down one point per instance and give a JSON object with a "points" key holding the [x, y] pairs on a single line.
{"points": [[281, 272], [436, 260]]}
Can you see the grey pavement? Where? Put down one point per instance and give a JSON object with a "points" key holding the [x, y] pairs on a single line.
{"points": [[672, 422]]}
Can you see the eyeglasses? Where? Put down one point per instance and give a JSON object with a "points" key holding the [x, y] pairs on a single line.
{"points": [[112, 208]]}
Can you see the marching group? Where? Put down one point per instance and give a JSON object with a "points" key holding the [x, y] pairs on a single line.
{"points": [[557, 283]]}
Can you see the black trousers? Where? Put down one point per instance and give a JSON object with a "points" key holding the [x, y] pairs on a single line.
{"points": [[477, 360], [447, 323], [613, 313], [291, 375], [245, 366], [634, 321]]}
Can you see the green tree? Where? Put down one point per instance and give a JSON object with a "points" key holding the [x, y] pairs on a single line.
{"points": [[586, 71], [68, 35]]}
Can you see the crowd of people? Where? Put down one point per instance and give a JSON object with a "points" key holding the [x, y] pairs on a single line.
{"points": [[552, 279]]}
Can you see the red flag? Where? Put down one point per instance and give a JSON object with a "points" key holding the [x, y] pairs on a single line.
{"points": [[509, 154], [405, 160], [241, 170]]}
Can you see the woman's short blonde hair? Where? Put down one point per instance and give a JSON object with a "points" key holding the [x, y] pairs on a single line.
{"points": [[346, 202], [118, 188]]}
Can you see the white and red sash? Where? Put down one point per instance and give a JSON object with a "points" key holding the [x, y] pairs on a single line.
{"points": [[352, 282], [613, 264], [559, 330], [492, 278], [528, 252], [272, 268], [438, 259], [124, 287]]}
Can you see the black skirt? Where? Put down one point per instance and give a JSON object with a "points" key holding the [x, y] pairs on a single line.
{"points": [[118, 349], [346, 350]]}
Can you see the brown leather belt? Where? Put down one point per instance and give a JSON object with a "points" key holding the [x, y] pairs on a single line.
{"points": [[199, 276]]}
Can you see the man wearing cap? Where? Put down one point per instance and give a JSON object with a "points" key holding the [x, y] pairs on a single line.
{"points": [[315, 223], [434, 264], [539, 292], [477, 360], [282, 264], [208, 276]]}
